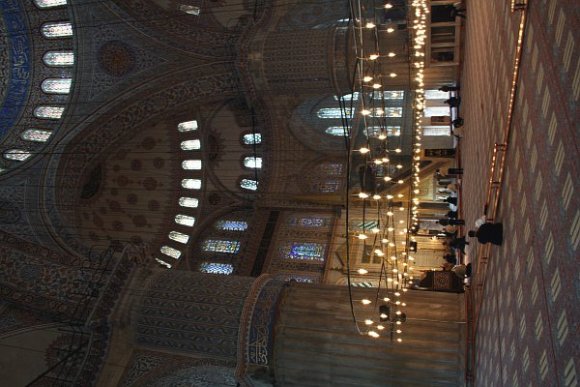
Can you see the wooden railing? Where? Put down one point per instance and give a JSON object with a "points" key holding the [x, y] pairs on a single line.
{"points": [[474, 295]]}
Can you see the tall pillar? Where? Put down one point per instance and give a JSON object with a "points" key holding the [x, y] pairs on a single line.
{"points": [[317, 342]]}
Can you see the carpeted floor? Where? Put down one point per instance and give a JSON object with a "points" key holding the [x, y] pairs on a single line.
{"points": [[527, 332]]}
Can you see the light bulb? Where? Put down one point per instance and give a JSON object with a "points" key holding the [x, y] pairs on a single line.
{"points": [[376, 85], [390, 29], [377, 197], [392, 75], [388, 178], [391, 54], [365, 301], [399, 331], [373, 334], [363, 195], [380, 327], [367, 78], [389, 197], [364, 150], [362, 271], [373, 56], [388, 6], [386, 299], [398, 150], [376, 230], [362, 236], [370, 25], [365, 112], [368, 322], [400, 340]]}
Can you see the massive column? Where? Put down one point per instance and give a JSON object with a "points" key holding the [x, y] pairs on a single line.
{"points": [[317, 342], [290, 334]]}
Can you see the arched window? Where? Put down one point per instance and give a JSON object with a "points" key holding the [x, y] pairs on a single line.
{"points": [[170, 252], [307, 251], [216, 268], [249, 184], [179, 237], [431, 111], [221, 246], [188, 202], [17, 154], [253, 162], [191, 164], [397, 94], [191, 183], [163, 263], [56, 85], [191, 145], [49, 3], [308, 221], [57, 30], [376, 131], [49, 112], [187, 126], [334, 113], [185, 220], [59, 58], [252, 138], [232, 225], [36, 135], [347, 97], [394, 112], [336, 131]]}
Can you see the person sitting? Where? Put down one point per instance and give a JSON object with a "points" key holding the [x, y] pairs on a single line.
{"points": [[453, 101], [451, 222], [488, 233], [451, 214], [451, 200], [446, 88], [458, 122]]}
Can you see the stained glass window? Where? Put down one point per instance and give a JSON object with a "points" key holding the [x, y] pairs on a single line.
{"points": [[336, 131], [57, 30], [431, 111], [252, 138], [59, 58], [188, 202], [436, 131], [216, 268], [56, 85], [334, 113], [397, 94], [436, 94], [187, 126], [17, 154], [179, 237], [191, 183], [191, 164], [49, 3], [332, 169], [307, 251], [325, 186], [347, 97], [163, 263], [394, 112], [49, 112], [36, 135], [232, 225], [190, 145], [309, 221], [221, 246], [170, 252], [249, 184], [252, 162], [185, 220]]}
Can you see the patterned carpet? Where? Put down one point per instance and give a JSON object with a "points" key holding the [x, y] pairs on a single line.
{"points": [[527, 331]]}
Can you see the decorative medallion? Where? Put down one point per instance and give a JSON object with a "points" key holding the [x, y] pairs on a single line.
{"points": [[116, 58]]}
